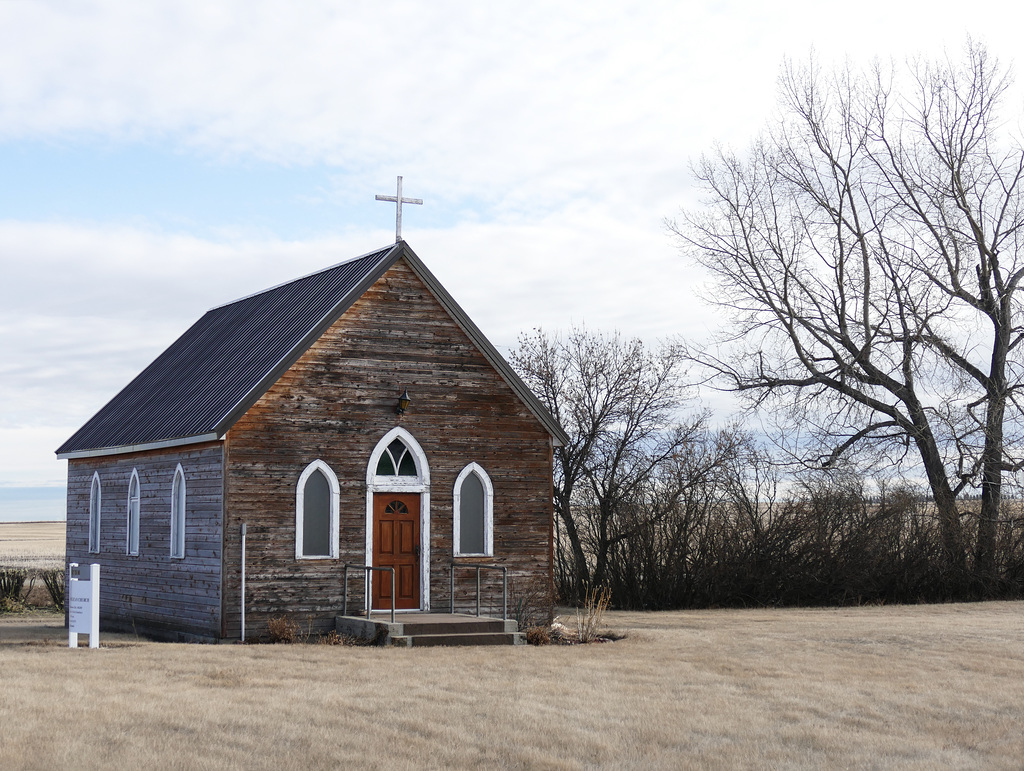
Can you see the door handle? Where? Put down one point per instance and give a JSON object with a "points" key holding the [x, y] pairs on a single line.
{"points": [[417, 551]]}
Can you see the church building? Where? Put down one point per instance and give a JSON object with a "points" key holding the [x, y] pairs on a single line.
{"points": [[353, 416]]}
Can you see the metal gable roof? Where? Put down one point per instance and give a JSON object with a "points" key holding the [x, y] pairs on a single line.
{"points": [[200, 385], [207, 379]]}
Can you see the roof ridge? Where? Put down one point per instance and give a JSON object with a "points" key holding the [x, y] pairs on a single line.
{"points": [[381, 252]]}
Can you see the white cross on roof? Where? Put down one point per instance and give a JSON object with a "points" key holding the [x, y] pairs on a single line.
{"points": [[397, 199]]}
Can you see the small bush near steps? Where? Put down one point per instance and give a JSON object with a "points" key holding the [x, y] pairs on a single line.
{"points": [[538, 635], [589, 621], [282, 629]]}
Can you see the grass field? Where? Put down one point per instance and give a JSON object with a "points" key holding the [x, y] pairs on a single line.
{"points": [[32, 544], [914, 687]]}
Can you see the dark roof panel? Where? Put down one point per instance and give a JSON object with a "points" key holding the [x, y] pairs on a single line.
{"points": [[211, 375], [197, 385]]}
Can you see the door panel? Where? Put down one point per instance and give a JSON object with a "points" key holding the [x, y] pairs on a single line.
{"points": [[406, 583], [396, 542]]}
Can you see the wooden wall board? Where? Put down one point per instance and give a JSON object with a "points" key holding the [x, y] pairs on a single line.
{"points": [[153, 592], [335, 404]]}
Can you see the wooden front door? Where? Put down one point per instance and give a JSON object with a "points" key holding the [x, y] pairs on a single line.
{"points": [[396, 544]]}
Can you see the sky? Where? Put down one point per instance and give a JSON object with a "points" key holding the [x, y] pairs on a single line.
{"points": [[161, 158]]}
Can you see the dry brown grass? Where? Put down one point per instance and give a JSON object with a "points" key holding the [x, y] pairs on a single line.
{"points": [[917, 687]]}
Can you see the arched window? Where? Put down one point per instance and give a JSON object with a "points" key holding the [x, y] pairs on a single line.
{"points": [[95, 505], [474, 513], [316, 513], [133, 514], [178, 514], [396, 460], [398, 463]]}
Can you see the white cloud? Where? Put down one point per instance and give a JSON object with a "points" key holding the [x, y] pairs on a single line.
{"points": [[26, 457], [91, 306], [555, 136], [524, 105]]}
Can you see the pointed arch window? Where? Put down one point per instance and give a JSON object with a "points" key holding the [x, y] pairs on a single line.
{"points": [[134, 500], [316, 513], [95, 507], [397, 463], [473, 528], [397, 460], [178, 514]]}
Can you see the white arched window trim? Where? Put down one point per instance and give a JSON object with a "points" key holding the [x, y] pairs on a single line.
{"points": [[397, 484], [178, 500], [132, 524], [95, 511], [332, 481], [474, 468]]}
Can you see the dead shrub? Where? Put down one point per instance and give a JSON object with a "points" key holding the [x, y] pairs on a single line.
{"points": [[538, 635], [590, 617], [281, 629], [334, 638], [528, 605]]}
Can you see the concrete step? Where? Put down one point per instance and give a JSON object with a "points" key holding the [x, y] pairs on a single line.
{"points": [[463, 638], [459, 626], [418, 629]]}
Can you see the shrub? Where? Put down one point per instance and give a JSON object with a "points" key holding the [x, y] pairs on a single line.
{"points": [[54, 580], [12, 583], [7, 605], [538, 635], [591, 616], [281, 629], [529, 606]]}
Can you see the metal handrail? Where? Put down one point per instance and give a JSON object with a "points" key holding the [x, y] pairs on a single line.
{"points": [[478, 567], [368, 580]]}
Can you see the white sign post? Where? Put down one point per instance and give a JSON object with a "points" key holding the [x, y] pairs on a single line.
{"points": [[84, 604]]}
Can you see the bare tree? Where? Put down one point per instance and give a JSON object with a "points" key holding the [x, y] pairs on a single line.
{"points": [[868, 253], [620, 405]]}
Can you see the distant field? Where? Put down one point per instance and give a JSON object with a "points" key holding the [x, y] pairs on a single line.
{"points": [[32, 544], [884, 687]]}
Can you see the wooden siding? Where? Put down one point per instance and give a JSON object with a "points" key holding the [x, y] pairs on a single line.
{"points": [[335, 404], [153, 593]]}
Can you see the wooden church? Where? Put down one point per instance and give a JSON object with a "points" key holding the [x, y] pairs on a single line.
{"points": [[353, 416]]}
